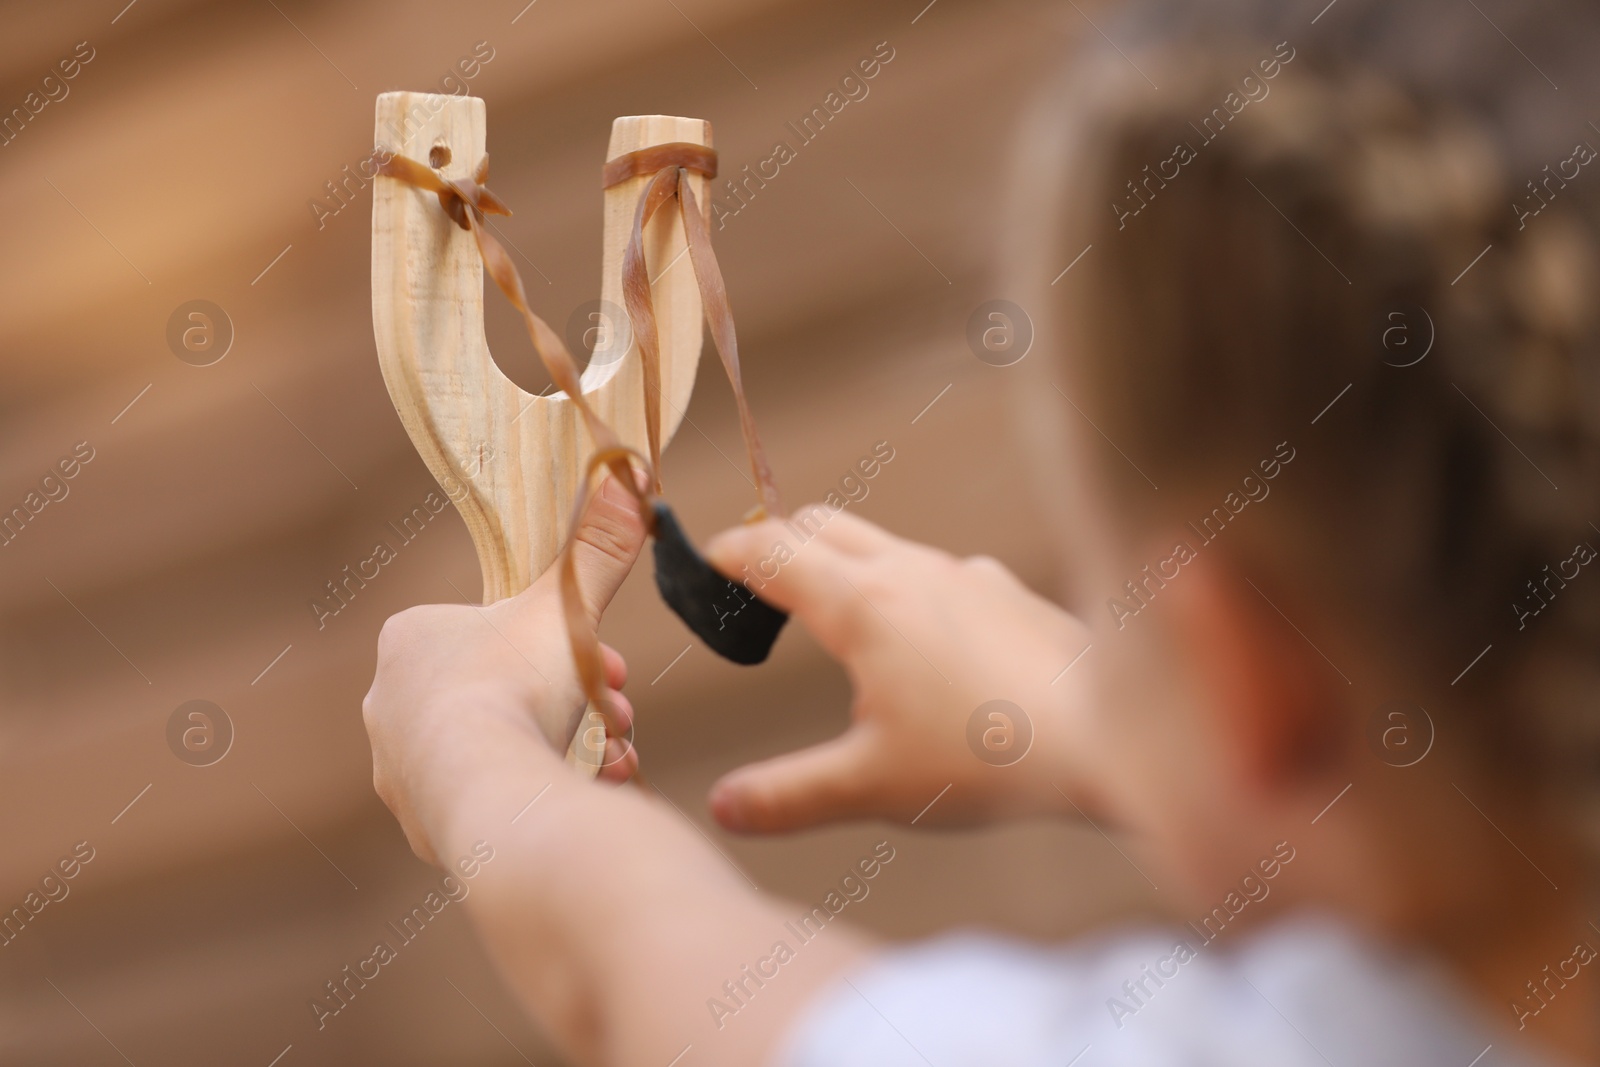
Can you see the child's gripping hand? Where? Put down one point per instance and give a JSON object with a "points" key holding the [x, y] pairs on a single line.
{"points": [[926, 639], [463, 694]]}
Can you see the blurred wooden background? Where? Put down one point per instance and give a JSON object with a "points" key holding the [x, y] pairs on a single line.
{"points": [[181, 165]]}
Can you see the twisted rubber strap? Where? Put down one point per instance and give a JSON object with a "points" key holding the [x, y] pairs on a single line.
{"points": [[685, 154], [671, 161], [719, 315], [641, 307]]}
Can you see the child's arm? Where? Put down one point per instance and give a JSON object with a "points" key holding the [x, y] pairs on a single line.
{"points": [[926, 640], [614, 921]]}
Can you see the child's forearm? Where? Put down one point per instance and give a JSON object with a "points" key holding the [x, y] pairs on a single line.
{"points": [[617, 924]]}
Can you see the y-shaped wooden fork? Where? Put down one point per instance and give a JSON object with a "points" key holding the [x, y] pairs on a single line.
{"points": [[510, 461]]}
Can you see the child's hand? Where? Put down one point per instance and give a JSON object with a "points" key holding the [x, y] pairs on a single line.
{"points": [[461, 689], [926, 640]]}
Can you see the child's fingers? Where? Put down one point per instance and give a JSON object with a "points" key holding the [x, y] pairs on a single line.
{"points": [[620, 761], [740, 551], [622, 712], [820, 784], [803, 577], [847, 533], [616, 667]]}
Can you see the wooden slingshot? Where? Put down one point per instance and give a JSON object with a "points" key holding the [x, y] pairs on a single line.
{"points": [[517, 465]]}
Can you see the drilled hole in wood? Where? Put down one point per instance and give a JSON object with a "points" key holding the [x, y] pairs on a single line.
{"points": [[439, 156]]}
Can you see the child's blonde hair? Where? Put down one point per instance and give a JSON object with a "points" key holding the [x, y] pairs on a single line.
{"points": [[1268, 240]]}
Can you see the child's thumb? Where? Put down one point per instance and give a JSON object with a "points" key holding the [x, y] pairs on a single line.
{"points": [[820, 784], [607, 544]]}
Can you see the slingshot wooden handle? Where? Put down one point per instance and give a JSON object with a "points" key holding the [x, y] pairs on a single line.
{"points": [[511, 461]]}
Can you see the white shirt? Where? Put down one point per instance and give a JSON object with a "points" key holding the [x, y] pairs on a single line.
{"points": [[1305, 992]]}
